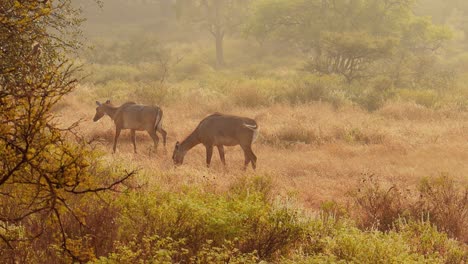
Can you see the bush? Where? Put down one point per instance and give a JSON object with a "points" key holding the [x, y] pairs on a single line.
{"points": [[310, 88], [248, 95], [247, 219], [153, 93], [353, 245], [303, 133], [446, 205], [425, 239], [439, 201], [295, 133], [166, 250], [370, 100], [407, 110], [427, 98], [378, 207], [306, 91], [115, 90], [357, 135], [342, 242], [103, 74]]}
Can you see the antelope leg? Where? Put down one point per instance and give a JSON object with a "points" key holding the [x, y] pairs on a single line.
{"points": [[155, 138], [117, 134], [163, 133], [246, 156], [221, 154], [133, 136], [209, 154]]}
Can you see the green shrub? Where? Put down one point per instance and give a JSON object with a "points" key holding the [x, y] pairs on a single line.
{"points": [[192, 69], [370, 99], [425, 239], [306, 91], [153, 93], [427, 98], [227, 253], [261, 185], [166, 250], [310, 88], [332, 241], [439, 201], [353, 245], [115, 90], [102, 74], [246, 218], [248, 95], [255, 71], [337, 98]]}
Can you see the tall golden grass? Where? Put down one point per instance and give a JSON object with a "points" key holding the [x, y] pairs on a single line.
{"points": [[314, 151]]}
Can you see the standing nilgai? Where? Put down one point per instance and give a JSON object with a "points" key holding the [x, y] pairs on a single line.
{"points": [[134, 117], [220, 130]]}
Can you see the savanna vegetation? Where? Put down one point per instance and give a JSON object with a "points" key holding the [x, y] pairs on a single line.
{"points": [[362, 109]]}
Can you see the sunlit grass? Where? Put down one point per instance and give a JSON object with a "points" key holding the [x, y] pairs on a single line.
{"points": [[313, 150]]}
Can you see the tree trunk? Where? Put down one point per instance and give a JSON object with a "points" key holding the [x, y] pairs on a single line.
{"points": [[219, 37]]}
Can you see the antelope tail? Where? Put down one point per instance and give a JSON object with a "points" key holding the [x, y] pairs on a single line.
{"points": [[255, 129]]}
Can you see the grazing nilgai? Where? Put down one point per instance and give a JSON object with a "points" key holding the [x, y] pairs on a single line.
{"points": [[134, 117], [220, 130]]}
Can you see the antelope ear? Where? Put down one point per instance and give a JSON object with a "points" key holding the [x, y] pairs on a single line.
{"points": [[98, 103], [108, 102], [177, 145]]}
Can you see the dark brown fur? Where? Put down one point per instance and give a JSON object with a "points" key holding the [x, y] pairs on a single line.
{"points": [[220, 130]]}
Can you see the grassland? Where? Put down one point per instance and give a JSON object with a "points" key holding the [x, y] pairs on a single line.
{"points": [[331, 163], [366, 172], [314, 151]]}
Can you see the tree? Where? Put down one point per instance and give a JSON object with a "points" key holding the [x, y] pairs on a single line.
{"points": [[349, 38], [43, 167], [414, 60], [350, 54], [218, 17]]}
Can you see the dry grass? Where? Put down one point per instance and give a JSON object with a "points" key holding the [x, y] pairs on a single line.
{"points": [[313, 151]]}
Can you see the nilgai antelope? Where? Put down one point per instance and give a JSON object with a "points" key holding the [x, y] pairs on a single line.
{"points": [[220, 130], [134, 117]]}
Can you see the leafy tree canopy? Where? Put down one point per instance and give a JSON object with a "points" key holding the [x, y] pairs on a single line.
{"points": [[43, 166], [346, 37]]}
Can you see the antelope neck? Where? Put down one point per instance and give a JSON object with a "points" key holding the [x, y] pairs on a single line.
{"points": [[110, 110], [190, 142]]}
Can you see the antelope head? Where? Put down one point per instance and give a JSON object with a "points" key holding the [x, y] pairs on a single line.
{"points": [[178, 154], [100, 110]]}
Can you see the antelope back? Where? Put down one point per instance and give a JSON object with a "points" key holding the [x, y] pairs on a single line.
{"points": [[138, 117], [228, 130]]}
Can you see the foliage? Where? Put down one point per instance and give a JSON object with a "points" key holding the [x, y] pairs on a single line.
{"points": [[352, 45], [426, 239], [43, 167], [53, 208], [341, 242], [445, 204], [438, 201], [218, 17], [351, 54], [379, 207], [157, 250], [248, 224], [247, 220]]}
